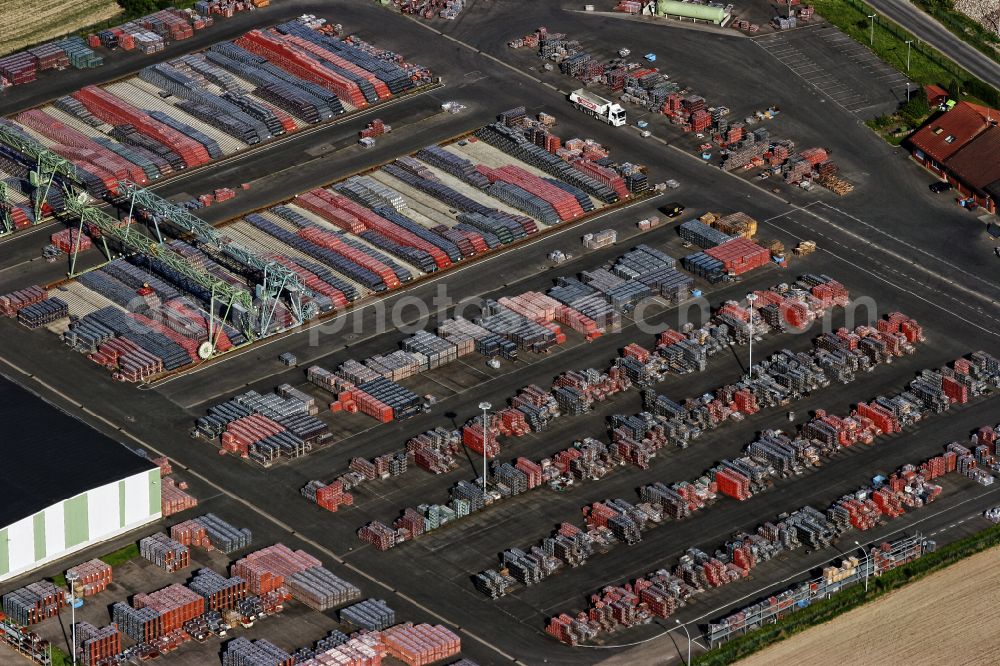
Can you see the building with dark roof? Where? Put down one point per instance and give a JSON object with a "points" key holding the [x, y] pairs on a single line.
{"points": [[63, 485], [962, 145]]}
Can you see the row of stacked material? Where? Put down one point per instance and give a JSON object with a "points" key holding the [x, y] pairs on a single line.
{"points": [[638, 442], [636, 439], [148, 34], [33, 603], [414, 645], [202, 106], [661, 593], [304, 576], [777, 454], [211, 532], [908, 487], [21, 68], [428, 9], [722, 253], [97, 645], [573, 392], [265, 428]]}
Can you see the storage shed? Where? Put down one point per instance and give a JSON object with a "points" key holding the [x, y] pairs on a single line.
{"points": [[63, 485]]}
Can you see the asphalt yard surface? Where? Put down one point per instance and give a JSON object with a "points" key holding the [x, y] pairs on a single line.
{"points": [[890, 240], [843, 70]]}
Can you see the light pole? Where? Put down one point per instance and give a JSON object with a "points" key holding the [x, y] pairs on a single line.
{"points": [[907, 91], [871, 36], [908, 42], [684, 627], [485, 406], [71, 578], [751, 297], [866, 564]]}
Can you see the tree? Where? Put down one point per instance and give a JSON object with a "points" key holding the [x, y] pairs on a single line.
{"points": [[914, 111], [954, 90]]}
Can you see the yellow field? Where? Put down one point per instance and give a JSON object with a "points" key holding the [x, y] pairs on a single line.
{"points": [[947, 618], [26, 22]]}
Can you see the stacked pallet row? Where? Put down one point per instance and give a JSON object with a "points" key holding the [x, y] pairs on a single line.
{"points": [[158, 613], [174, 498], [244, 652], [92, 577], [910, 487], [33, 603], [219, 592], [164, 552], [268, 569], [96, 644]]}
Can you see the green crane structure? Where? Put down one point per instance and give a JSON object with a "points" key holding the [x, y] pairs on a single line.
{"points": [[47, 165], [136, 242], [276, 278]]}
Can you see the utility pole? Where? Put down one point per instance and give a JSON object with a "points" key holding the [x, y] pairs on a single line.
{"points": [[908, 42], [684, 627], [71, 578], [871, 36], [751, 297], [863, 552], [485, 406]]}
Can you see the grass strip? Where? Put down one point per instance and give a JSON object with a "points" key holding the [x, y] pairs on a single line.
{"points": [[822, 611]]}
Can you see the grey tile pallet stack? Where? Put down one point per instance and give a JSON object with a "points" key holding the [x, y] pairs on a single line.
{"points": [[403, 401], [164, 552], [437, 350], [320, 589], [702, 235], [243, 652], [219, 592], [33, 603], [227, 538], [332, 261], [513, 142], [370, 614], [44, 312]]}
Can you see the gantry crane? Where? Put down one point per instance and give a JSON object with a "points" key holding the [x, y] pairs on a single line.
{"points": [[276, 278], [134, 241], [47, 165]]}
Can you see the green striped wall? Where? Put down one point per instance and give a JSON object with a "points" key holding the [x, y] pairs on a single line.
{"points": [[38, 521], [76, 524], [4, 553], [76, 520], [155, 503]]}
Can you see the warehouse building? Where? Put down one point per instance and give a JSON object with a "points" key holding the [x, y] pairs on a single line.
{"points": [[961, 146], [63, 485]]}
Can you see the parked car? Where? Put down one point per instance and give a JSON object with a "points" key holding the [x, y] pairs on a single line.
{"points": [[940, 186]]}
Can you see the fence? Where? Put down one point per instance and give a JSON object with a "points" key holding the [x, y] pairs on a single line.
{"points": [[781, 605]]}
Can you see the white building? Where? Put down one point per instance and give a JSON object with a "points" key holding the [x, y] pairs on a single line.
{"points": [[63, 485]]}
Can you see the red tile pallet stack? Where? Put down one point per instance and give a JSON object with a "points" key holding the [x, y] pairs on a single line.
{"points": [[164, 552], [174, 499], [421, 644], [93, 577], [12, 303], [96, 644], [563, 202], [71, 240], [174, 605], [114, 110], [302, 65], [76, 146], [740, 255]]}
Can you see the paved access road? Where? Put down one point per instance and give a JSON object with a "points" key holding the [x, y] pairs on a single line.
{"points": [[929, 30]]}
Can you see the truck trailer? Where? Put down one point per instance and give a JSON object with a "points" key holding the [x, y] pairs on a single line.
{"points": [[595, 105]]}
